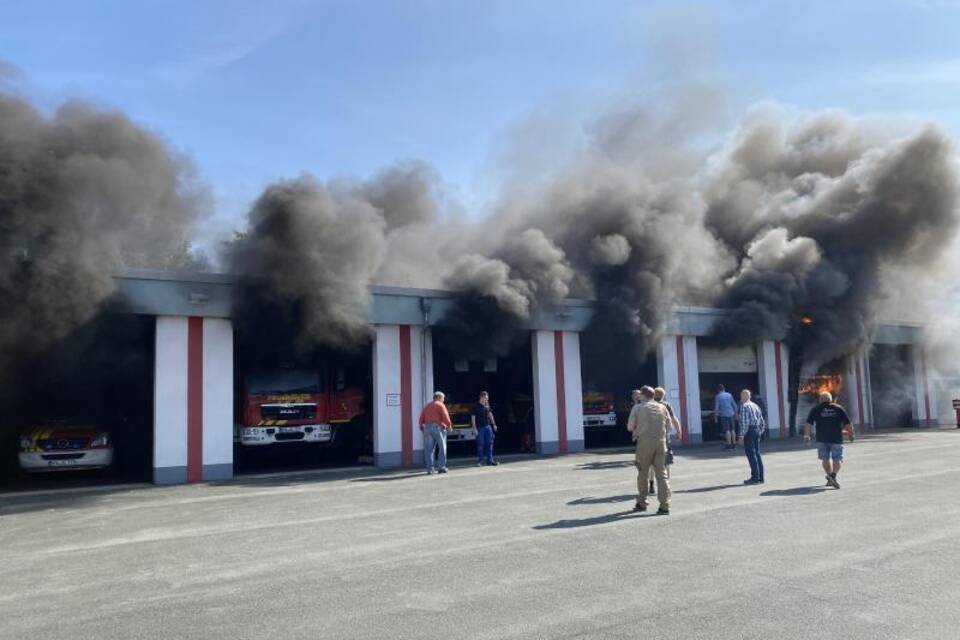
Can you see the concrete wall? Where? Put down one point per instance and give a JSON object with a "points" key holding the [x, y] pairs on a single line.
{"points": [[557, 391], [402, 384], [193, 400], [856, 396]]}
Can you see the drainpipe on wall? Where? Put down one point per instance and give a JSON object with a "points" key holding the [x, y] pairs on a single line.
{"points": [[424, 392]]}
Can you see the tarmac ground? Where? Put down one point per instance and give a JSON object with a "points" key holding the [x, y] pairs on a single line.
{"points": [[534, 548]]}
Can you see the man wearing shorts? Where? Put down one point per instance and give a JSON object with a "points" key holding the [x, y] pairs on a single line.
{"points": [[831, 422]]}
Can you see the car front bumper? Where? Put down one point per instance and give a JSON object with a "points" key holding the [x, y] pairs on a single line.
{"points": [[66, 460]]}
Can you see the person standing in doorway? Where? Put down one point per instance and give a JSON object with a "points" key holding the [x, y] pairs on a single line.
{"points": [[750, 429], [484, 428], [649, 423], [435, 424], [724, 410], [831, 422]]}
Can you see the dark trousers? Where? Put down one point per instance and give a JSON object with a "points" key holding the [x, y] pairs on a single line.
{"points": [[485, 444], [751, 447]]}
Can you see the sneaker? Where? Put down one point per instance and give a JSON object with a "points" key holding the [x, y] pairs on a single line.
{"points": [[429, 472], [663, 512], [833, 482], [479, 464], [639, 507], [493, 463], [752, 481], [443, 470]]}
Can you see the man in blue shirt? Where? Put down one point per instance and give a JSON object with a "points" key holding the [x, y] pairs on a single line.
{"points": [[484, 427], [724, 408]]}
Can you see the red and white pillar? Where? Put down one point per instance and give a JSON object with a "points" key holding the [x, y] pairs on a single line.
{"points": [[557, 391], [193, 400], [679, 373], [402, 384]]}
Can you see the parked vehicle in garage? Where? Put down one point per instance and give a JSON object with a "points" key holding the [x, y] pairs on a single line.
{"points": [[460, 419], [297, 405], [59, 447], [599, 409]]}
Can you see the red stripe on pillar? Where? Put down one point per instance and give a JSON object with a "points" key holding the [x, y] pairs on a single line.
{"points": [[194, 399], [926, 389], [406, 398], [682, 375], [856, 368], [561, 390], [784, 427]]}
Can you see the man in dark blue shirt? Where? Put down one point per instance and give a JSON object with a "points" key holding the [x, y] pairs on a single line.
{"points": [[484, 426]]}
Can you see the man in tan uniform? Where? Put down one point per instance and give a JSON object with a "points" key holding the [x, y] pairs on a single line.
{"points": [[649, 422]]}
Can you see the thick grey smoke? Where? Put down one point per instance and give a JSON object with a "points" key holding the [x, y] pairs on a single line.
{"points": [[312, 249], [82, 194], [819, 214]]}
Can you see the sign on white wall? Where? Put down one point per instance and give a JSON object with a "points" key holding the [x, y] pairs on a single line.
{"points": [[393, 399]]}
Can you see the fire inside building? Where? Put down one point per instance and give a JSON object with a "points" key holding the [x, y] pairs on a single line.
{"points": [[163, 388]]}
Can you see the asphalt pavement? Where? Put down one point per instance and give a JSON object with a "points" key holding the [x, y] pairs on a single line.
{"points": [[534, 548]]}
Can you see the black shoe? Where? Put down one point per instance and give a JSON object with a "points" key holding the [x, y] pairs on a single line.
{"points": [[493, 463], [832, 481], [639, 507], [443, 470], [663, 512], [751, 481]]}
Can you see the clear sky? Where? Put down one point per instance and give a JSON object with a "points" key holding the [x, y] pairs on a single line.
{"points": [[254, 90]]}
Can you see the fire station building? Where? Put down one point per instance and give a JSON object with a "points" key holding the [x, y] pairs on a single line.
{"points": [[194, 372]]}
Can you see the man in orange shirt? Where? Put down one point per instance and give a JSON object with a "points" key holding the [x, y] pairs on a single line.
{"points": [[435, 424]]}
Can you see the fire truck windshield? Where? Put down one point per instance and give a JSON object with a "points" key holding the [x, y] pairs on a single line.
{"points": [[284, 381]]}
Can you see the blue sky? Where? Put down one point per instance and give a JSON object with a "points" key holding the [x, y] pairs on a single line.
{"points": [[257, 90]]}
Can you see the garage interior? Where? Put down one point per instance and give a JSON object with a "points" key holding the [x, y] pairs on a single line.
{"points": [[891, 377], [733, 367], [509, 381], [100, 376], [617, 376]]}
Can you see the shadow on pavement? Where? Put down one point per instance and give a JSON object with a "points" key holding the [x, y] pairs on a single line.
{"points": [[718, 487], [595, 466], [589, 522], [603, 499], [797, 491]]}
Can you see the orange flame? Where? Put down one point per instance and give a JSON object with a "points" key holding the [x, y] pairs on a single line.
{"points": [[807, 320], [831, 383]]}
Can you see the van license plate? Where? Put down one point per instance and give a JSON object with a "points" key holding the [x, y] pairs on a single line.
{"points": [[289, 429], [61, 463]]}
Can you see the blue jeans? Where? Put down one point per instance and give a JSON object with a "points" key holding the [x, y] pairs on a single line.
{"points": [[485, 444], [751, 447], [434, 435]]}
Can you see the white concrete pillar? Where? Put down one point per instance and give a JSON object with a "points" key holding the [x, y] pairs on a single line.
{"points": [[557, 391], [218, 405], [402, 384], [855, 385], [679, 373], [573, 379], [772, 370], [925, 402], [545, 393], [193, 400]]}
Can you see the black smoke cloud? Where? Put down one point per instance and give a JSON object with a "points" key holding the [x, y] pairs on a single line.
{"points": [[818, 216], [83, 193], [790, 215]]}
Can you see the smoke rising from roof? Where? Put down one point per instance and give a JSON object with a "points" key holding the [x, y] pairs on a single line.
{"points": [[82, 193]]}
